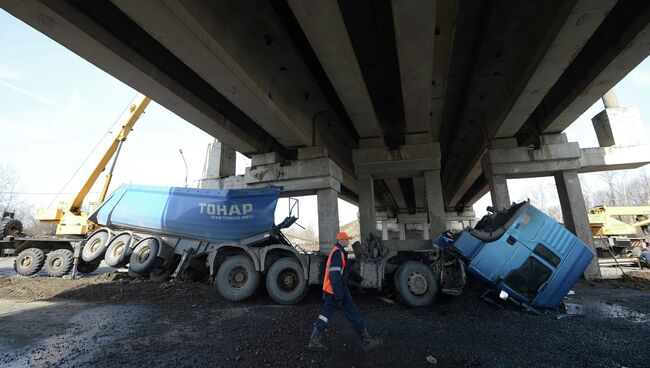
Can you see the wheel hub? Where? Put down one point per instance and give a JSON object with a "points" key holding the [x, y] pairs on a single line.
{"points": [[238, 277], [26, 261], [57, 262], [118, 249], [287, 280], [144, 254], [417, 284], [95, 245]]}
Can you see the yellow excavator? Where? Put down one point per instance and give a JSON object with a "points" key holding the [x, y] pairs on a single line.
{"points": [[57, 253]]}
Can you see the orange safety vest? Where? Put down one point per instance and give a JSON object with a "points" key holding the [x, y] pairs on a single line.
{"points": [[327, 285]]}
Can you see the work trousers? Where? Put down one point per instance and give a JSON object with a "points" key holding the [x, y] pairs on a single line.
{"points": [[348, 308]]}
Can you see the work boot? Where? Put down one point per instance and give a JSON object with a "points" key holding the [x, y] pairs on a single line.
{"points": [[314, 341], [368, 343]]}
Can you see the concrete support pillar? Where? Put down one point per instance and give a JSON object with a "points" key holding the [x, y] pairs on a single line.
{"points": [[499, 191], [435, 204], [384, 230], [220, 161], [425, 231], [367, 219], [328, 219], [574, 213], [402, 231]]}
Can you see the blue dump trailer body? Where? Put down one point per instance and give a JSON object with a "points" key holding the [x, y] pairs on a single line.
{"points": [[213, 215], [526, 254]]}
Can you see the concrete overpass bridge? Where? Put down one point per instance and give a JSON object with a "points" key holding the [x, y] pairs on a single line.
{"points": [[412, 109]]}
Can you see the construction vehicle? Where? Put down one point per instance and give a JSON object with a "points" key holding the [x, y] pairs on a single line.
{"points": [[227, 237], [614, 237], [56, 253]]}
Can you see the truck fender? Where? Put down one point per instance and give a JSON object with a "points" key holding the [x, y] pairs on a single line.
{"points": [[304, 261], [212, 256]]}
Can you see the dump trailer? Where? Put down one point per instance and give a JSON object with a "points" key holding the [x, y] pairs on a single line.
{"points": [[228, 237], [523, 254]]}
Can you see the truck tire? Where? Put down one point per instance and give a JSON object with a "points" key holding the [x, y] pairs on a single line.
{"points": [[285, 281], [415, 284], [87, 267], [162, 273], [118, 250], [29, 261], [11, 227], [95, 246], [144, 259], [237, 278], [59, 262]]}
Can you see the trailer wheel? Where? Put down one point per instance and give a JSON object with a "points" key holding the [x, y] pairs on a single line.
{"points": [[29, 261], [95, 246], [118, 251], [415, 284], [144, 256], [59, 262], [237, 279], [285, 281], [160, 273], [87, 267]]}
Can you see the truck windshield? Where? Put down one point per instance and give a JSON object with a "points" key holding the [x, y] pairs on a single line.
{"points": [[527, 279]]}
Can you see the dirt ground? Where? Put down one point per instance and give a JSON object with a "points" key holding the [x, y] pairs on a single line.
{"points": [[108, 320]]}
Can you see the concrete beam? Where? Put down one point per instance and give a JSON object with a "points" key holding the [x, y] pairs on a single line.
{"points": [[208, 38], [613, 158], [576, 29], [220, 161], [574, 212], [325, 29], [617, 47], [74, 30], [414, 34], [408, 160], [445, 27]]}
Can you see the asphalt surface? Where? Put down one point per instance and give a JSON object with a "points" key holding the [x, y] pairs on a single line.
{"points": [[109, 320]]}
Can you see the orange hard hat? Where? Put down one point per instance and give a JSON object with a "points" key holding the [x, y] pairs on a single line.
{"points": [[342, 236]]}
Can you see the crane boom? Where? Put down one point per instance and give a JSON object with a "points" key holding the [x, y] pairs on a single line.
{"points": [[72, 221], [135, 110]]}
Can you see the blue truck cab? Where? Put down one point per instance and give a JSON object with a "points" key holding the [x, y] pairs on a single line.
{"points": [[524, 253]]}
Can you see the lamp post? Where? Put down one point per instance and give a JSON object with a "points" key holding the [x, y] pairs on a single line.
{"points": [[185, 162]]}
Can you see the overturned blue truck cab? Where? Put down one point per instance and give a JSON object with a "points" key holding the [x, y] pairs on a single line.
{"points": [[524, 254], [228, 238]]}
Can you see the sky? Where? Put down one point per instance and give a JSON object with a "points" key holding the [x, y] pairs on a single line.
{"points": [[55, 107]]}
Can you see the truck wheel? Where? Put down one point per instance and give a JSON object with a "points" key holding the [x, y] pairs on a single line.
{"points": [[415, 284], [59, 262], [87, 267], [237, 279], [118, 251], [285, 281], [144, 256], [29, 261], [162, 273], [95, 246], [11, 228]]}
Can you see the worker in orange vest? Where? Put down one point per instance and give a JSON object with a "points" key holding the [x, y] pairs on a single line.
{"points": [[337, 295]]}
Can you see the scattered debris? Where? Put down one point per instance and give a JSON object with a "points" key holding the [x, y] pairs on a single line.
{"points": [[431, 359]]}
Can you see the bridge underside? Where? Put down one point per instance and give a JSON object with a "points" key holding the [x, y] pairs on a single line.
{"points": [[406, 98]]}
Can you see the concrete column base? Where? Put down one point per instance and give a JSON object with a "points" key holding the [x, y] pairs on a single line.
{"points": [[367, 216], [435, 203], [574, 213], [328, 219], [499, 191]]}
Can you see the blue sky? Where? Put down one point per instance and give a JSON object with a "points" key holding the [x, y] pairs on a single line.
{"points": [[55, 107]]}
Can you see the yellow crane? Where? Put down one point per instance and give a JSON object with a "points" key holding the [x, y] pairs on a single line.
{"points": [[603, 223], [72, 220]]}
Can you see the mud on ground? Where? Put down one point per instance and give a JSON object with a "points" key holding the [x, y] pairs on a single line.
{"points": [[109, 320]]}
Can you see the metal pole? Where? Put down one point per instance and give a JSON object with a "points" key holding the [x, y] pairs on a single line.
{"points": [[185, 162]]}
